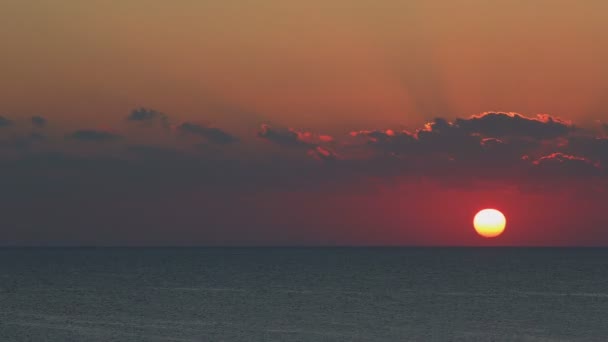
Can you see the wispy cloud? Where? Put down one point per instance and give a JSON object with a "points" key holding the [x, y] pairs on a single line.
{"points": [[211, 134]]}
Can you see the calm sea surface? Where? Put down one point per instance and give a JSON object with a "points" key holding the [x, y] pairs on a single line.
{"points": [[303, 294]]}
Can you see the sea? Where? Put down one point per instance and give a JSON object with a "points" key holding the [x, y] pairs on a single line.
{"points": [[303, 294]]}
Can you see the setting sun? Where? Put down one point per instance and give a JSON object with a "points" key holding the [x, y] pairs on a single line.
{"points": [[489, 223]]}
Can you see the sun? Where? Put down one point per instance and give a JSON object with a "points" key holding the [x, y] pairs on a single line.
{"points": [[489, 223]]}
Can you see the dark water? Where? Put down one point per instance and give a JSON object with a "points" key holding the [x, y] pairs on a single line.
{"points": [[299, 294]]}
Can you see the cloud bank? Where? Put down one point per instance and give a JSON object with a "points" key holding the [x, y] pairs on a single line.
{"points": [[151, 179], [471, 146]]}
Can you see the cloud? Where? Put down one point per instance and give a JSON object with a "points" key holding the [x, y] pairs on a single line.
{"points": [[389, 140], [499, 124], [148, 115], [91, 135], [323, 154], [441, 136], [38, 121], [438, 138], [567, 165], [284, 137], [213, 135], [4, 122], [291, 138], [590, 147], [488, 136], [494, 147], [457, 151]]}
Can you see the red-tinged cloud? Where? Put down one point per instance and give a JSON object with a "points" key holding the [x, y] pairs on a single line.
{"points": [[389, 141], [568, 165], [543, 126], [323, 154], [291, 138], [508, 148], [326, 138], [508, 134], [380, 136]]}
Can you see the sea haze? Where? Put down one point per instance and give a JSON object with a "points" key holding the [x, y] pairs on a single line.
{"points": [[303, 294]]}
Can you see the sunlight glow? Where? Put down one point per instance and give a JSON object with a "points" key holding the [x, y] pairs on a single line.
{"points": [[489, 223]]}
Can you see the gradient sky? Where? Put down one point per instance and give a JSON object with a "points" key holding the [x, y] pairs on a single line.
{"points": [[318, 122]]}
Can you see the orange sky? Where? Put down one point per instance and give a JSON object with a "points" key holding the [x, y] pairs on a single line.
{"points": [[327, 65]]}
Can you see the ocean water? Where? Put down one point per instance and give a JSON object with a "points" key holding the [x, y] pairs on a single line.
{"points": [[303, 294]]}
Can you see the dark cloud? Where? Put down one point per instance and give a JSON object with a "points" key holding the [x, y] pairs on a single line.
{"points": [[539, 153], [543, 126], [590, 147], [511, 149], [567, 165], [293, 138], [38, 121], [91, 135], [290, 138], [148, 115], [283, 137], [456, 152], [389, 140], [4, 122], [211, 134], [489, 136], [439, 138]]}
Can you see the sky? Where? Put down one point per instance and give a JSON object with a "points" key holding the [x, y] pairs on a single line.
{"points": [[302, 123]]}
